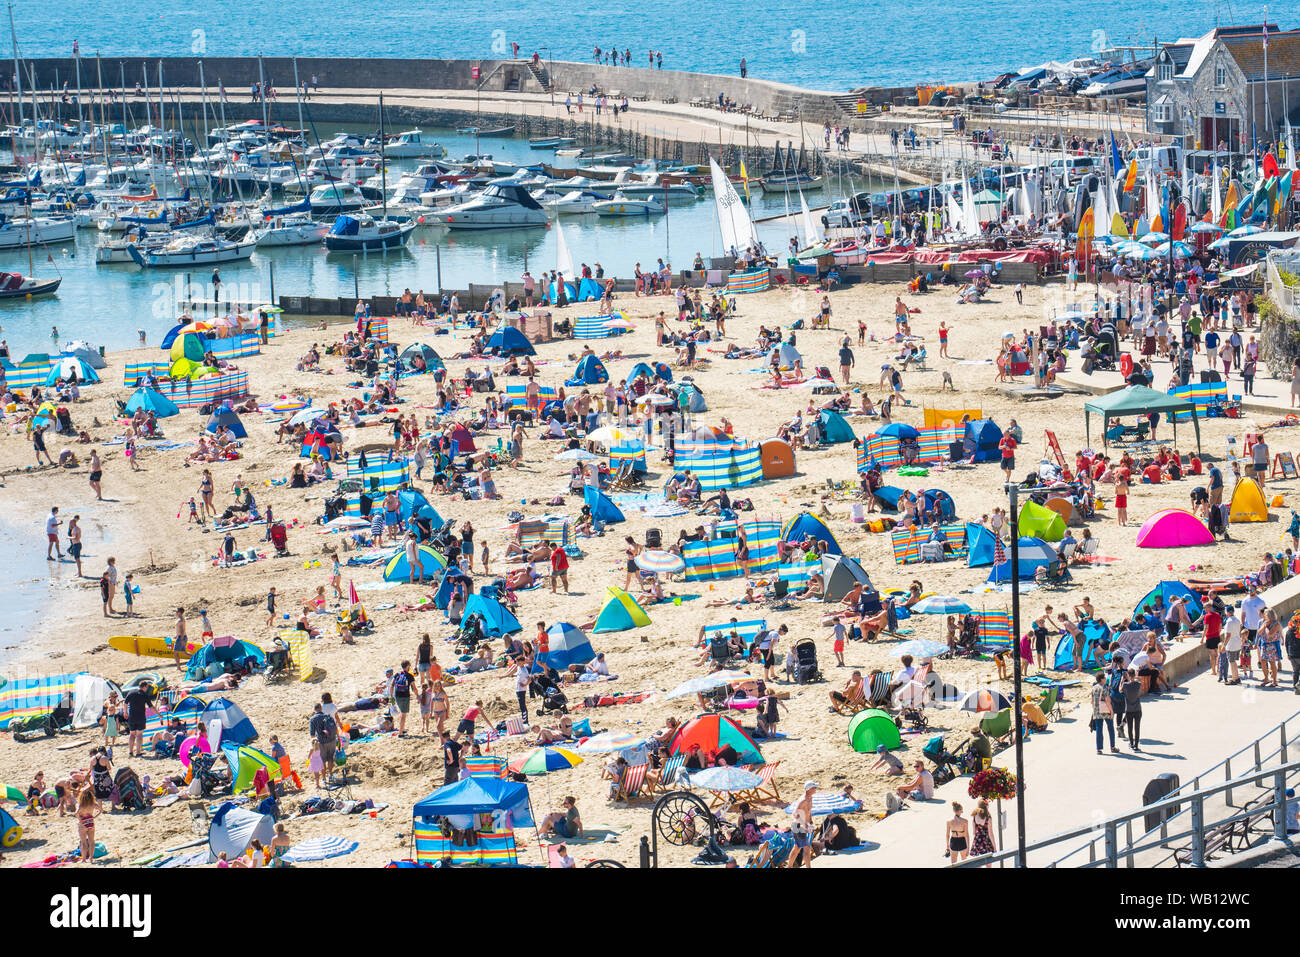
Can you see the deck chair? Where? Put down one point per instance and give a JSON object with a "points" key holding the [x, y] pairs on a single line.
{"points": [[766, 789], [997, 727], [667, 775], [1051, 703], [880, 690], [854, 702], [629, 786], [1088, 549]]}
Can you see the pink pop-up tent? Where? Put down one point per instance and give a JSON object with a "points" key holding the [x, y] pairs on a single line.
{"points": [[1173, 528]]}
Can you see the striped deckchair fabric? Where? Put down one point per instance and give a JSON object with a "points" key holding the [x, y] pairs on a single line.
{"points": [[1206, 395], [907, 542], [518, 394], [26, 376], [754, 280], [762, 538], [720, 466], [493, 848], [300, 656], [633, 452], [798, 573], [136, 372], [22, 698], [994, 628], [486, 766], [191, 393], [592, 327], [879, 690], [932, 446], [747, 630], [380, 476], [235, 347], [377, 327], [707, 561]]}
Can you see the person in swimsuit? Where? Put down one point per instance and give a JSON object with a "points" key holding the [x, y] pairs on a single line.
{"points": [[1121, 501], [983, 822], [801, 829], [279, 844], [957, 831], [181, 640], [96, 473], [74, 541], [439, 706], [88, 808], [632, 551], [205, 494]]}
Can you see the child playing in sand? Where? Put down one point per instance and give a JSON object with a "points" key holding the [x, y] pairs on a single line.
{"points": [[194, 512]]}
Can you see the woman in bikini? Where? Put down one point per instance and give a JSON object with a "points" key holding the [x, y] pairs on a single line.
{"points": [[439, 706], [88, 808], [205, 493], [957, 831], [632, 551]]}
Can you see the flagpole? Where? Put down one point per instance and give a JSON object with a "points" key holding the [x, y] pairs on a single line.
{"points": [[1268, 115], [1012, 489]]}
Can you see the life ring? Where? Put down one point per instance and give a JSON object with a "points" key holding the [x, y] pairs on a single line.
{"points": [[12, 835]]}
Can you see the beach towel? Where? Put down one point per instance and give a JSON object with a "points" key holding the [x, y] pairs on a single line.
{"points": [[318, 849]]}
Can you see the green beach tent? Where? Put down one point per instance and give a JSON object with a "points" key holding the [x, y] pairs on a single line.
{"points": [[871, 728], [1039, 521]]}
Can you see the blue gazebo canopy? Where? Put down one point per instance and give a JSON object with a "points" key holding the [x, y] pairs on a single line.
{"points": [[478, 796]]}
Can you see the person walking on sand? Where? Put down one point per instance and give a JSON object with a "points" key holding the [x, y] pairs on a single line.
{"points": [[110, 576], [74, 541], [179, 640], [846, 360], [957, 831], [801, 829], [1121, 498], [52, 524], [96, 474]]}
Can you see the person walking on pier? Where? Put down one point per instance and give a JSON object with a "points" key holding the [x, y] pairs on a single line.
{"points": [[744, 68]]}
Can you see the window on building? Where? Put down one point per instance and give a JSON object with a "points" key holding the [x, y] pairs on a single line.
{"points": [[1166, 71], [1220, 76], [1164, 113]]}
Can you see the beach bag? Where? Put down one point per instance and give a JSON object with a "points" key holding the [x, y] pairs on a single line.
{"points": [[401, 685]]}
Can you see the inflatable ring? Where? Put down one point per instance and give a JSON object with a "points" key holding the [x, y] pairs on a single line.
{"points": [[11, 836]]}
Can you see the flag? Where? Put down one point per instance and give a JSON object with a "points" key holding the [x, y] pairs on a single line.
{"points": [[1266, 36], [353, 598], [1131, 180], [1117, 161], [999, 553], [744, 178]]}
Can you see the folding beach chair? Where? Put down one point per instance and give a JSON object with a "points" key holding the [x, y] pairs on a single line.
{"points": [[667, 775], [629, 786], [766, 789]]}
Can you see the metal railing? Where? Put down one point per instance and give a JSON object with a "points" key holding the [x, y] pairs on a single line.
{"points": [[1287, 297], [1202, 824], [1252, 753]]}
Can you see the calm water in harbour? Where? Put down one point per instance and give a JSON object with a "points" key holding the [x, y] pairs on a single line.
{"points": [[828, 44], [107, 304]]}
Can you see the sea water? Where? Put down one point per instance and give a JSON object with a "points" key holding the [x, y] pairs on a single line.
{"points": [[107, 304], [820, 44]]}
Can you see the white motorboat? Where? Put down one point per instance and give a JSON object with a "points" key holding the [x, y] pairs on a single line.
{"points": [[447, 196], [574, 202], [35, 231], [497, 207], [653, 187], [621, 205], [409, 145], [339, 197], [118, 250], [193, 251], [295, 229]]}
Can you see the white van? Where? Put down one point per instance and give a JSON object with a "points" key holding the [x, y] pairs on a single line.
{"points": [[1074, 166], [1163, 159]]}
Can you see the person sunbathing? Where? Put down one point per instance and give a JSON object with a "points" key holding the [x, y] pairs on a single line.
{"points": [[650, 586], [812, 590], [522, 578]]}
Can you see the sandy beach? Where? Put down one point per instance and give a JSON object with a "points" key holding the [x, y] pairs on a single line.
{"points": [[145, 516]]}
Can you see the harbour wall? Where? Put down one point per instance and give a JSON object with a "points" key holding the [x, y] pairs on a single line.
{"points": [[496, 76]]}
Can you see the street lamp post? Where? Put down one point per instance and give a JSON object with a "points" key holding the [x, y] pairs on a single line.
{"points": [[1012, 490]]}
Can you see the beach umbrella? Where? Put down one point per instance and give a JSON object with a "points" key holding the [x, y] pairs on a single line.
{"points": [[318, 849], [829, 804], [346, 521], [725, 778], [610, 434], [1218, 244], [660, 562], [197, 325], [10, 793], [1181, 250], [1247, 230], [921, 648], [820, 383], [898, 430], [708, 683], [619, 323], [546, 760], [656, 399], [1205, 228], [577, 455], [608, 741], [667, 510], [983, 699], [940, 605], [1151, 239], [305, 416], [974, 272]]}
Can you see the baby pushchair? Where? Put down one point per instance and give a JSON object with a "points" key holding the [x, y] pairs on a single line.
{"points": [[201, 769], [553, 699], [280, 539], [947, 764], [805, 662]]}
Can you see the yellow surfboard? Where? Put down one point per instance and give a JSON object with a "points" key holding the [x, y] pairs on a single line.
{"points": [[150, 647]]}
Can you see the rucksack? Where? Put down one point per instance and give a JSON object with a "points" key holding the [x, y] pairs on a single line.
{"points": [[401, 685]]}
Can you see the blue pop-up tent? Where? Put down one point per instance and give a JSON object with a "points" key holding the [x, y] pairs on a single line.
{"points": [[1034, 553], [398, 568], [509, 341], [805, 524], [1167, 590], [478, 795], [660, 371], [835, 428], [233, 830], [590, 371], [210, 655], [569, 646], [982, 437], [227, 418], [602, 506], [411, 501], [979, 545], [451, 575], [235, 726], [497, 618], [153, 401], [1093, 632]]}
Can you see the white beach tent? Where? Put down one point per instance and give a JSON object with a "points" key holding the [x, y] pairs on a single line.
{"points": [[89, 692]]}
